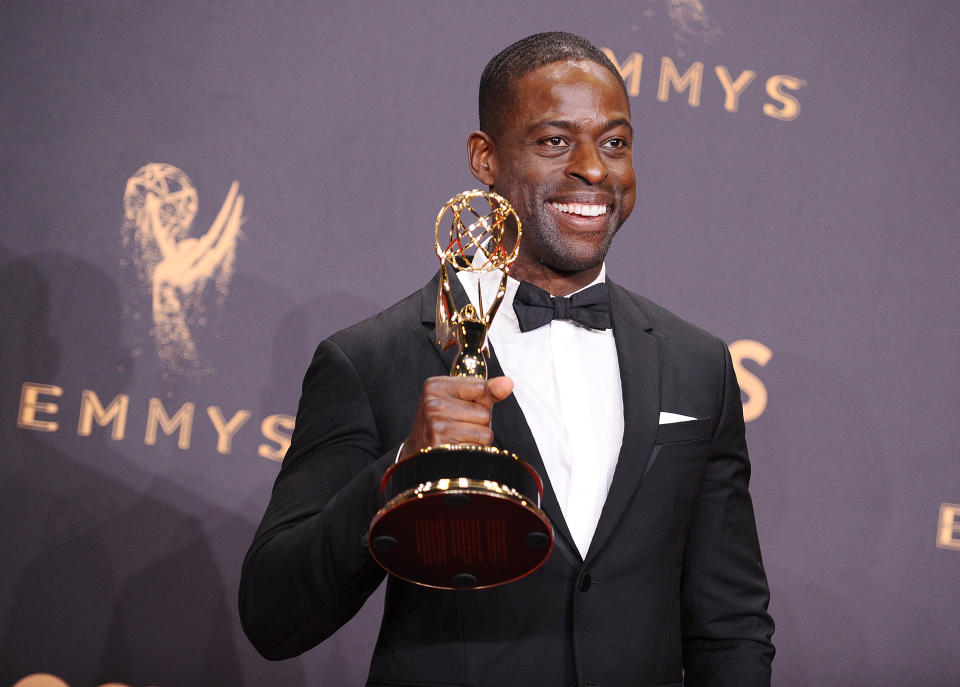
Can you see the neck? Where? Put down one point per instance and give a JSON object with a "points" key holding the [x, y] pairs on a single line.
{"points": [[553, 282]]}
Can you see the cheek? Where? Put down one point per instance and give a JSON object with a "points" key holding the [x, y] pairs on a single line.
{"points": [[629, 184], [629, 198], [510, 182], [522, 178], [522, 189]]}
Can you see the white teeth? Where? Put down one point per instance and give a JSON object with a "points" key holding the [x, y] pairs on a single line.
{"points": [[583, 209]]}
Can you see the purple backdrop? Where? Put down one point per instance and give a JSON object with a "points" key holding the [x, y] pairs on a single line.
{"points": [[807, 209]]}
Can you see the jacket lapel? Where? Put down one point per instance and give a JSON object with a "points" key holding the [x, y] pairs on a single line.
{"points": [[511, 431], [639, 359], [428, 315]]}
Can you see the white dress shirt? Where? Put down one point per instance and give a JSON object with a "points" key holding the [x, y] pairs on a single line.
{"points": [[567, 381]]}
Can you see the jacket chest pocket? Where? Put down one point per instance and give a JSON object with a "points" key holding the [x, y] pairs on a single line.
{"points": [[681, 432]]}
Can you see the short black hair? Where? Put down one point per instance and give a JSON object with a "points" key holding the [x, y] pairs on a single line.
{"points": [[527, 54]]}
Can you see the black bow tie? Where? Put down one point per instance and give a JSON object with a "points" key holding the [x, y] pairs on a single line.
{"points": [[535, 307]]}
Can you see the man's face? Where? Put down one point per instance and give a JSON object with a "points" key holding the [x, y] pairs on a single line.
{"points": [[562, 155]]}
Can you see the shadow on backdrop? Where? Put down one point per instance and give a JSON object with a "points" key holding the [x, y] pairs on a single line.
{"points": [[104, 580]]}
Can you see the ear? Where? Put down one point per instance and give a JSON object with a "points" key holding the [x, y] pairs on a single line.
{"points": [[482, 157]]}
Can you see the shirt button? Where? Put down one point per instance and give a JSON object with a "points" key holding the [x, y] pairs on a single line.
{"points": [[585, 582]]}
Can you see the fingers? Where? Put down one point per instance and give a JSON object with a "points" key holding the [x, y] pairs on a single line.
{"points": [[455, 410], [500, 388], [472, 389], [452, 399]]}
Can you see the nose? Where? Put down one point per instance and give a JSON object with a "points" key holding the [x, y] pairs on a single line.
{"points": [[586, 163]]}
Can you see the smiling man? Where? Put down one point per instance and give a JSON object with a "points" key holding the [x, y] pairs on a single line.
{"points": [[559, 147], [632, 416]]}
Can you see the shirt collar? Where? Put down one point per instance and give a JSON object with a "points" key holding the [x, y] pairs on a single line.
{"points": [[489, 282]]}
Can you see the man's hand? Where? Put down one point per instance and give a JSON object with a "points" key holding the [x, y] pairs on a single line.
{"points": [[455, 410]]}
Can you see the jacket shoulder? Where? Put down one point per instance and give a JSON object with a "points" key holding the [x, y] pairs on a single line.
{"points": [[665, 323], [393, 345]]}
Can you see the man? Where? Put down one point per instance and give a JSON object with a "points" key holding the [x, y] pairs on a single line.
{"points": [[656, 576]]}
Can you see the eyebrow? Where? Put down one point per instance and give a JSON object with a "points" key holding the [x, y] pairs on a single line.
{"points": [[573, 126]]}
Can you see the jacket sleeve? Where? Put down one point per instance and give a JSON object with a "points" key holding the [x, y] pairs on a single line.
{"points": [[726, 629], [308, 570]]}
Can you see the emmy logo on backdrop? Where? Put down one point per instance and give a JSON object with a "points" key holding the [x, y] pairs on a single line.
{"points": [[160, 206], [465, 516]]}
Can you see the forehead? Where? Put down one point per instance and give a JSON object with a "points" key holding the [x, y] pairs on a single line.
{"points": [[568, 90]]}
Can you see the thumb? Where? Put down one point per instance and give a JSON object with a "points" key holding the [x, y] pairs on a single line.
{"points": [[500, 387]]}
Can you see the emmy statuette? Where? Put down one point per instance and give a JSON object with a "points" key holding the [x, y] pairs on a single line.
{"points": [[464, 516]]}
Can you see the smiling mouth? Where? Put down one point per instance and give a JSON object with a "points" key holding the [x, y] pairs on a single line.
{"points": [[581, 209]]}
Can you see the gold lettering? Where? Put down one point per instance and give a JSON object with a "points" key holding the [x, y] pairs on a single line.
{"points": [[948, 533], [270, 427], [226, 430], [91, 410], [750, 384], [669, 76], [733, 89], [629, 70], [30, 405], [157, 415], [790, 106]]}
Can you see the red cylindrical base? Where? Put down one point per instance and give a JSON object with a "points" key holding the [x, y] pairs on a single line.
{"points": [[465, 532]]}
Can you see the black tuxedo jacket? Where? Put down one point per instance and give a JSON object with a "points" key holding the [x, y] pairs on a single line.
{"points": [[672, 590]]}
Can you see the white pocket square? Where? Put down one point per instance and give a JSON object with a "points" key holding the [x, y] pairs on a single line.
{"points": [[670, 418]]}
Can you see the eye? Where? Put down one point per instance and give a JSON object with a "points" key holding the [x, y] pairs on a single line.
{"points": [[617, 143], [553, 141]]}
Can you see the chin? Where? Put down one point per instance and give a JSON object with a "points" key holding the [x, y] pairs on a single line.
{"points": [[573, 263]]}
